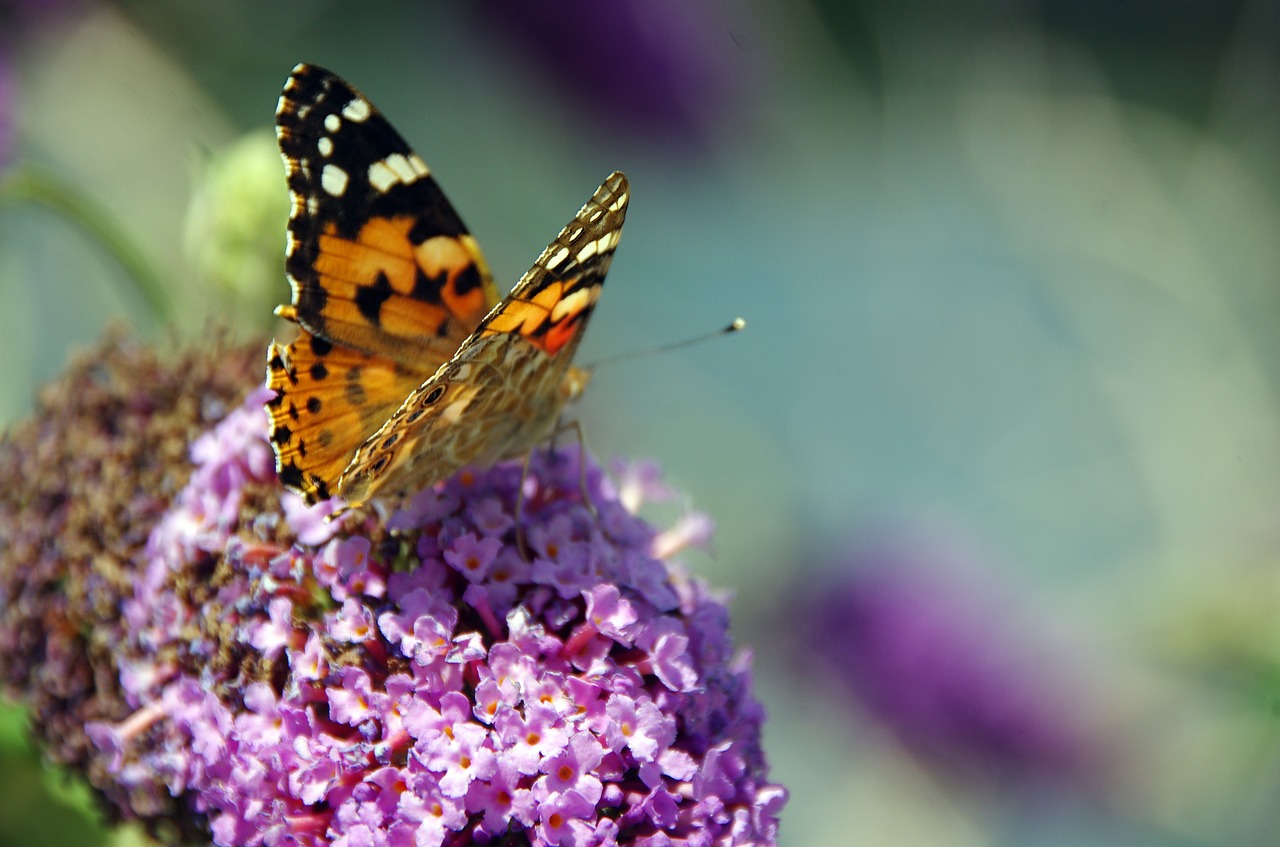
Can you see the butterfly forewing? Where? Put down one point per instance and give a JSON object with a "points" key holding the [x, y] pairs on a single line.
{"points": [[550, 305], [377, 257]]}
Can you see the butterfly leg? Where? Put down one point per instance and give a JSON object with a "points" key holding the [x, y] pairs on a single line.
{"points": [[576, 426], [561, 426]]}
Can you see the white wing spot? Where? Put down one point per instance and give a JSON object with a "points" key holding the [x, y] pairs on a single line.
{"points": [[357, 110], [396, 168], [381, 177], [325, 146], [403, 167], [557, 258], [332, 123], [333, 180], [595, 215]]}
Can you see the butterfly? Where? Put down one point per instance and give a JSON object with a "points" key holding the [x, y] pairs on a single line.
{"points": [[407, 366]]}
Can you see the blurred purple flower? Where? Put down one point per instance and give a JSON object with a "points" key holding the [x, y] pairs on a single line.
{"points": [[19, 19], [8, 110], [924, 643], [662, 68]]}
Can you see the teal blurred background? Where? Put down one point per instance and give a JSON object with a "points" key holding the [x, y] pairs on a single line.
{"points": [[1012, 277]]}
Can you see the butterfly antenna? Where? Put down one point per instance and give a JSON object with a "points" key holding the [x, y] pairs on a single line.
{"points": [[735, 325]]}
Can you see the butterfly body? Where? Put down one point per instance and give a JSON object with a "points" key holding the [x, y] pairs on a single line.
{"points": [[407, 366]]}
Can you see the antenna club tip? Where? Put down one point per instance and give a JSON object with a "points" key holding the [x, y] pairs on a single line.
{"points": [[735, 325]]}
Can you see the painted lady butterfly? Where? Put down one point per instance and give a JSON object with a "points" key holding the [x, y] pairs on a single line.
{"points": [[407, 367]]}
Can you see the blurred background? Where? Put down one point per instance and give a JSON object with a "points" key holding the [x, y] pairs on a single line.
{"points": [[996, 464]]}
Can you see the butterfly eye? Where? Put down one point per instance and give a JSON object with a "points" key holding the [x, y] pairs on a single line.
{"points": [[433, 395]]}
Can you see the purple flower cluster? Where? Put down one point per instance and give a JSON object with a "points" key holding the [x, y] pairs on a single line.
{"points": [[417, 681]]}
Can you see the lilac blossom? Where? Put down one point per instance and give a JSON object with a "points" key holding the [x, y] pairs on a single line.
{"points": [[410, 679]]}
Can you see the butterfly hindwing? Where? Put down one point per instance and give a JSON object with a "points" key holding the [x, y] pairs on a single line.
{"points": [[324, 393], [377, 257]]}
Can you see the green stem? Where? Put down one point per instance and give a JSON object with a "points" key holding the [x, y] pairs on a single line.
{"points": [[37, 186]]}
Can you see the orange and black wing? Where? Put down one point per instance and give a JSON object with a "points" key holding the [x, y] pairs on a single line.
{"points": [[328, 400], [386, 280], [505, 388], [377, 257], [551, 304]]}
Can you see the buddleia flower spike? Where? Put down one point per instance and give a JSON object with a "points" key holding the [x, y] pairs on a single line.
{"points": [[253, 670]]}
